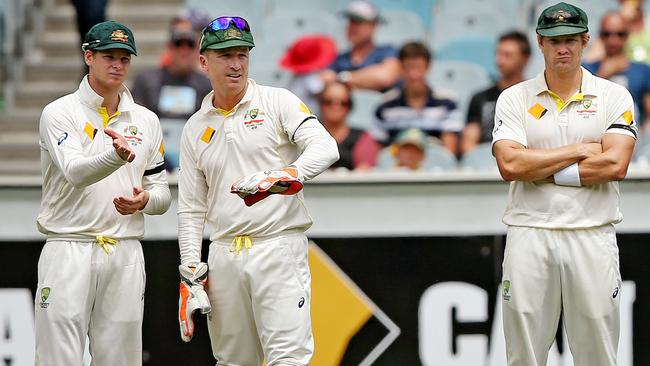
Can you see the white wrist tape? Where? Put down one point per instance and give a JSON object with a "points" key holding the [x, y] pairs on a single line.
{"points": [[569, 176]]}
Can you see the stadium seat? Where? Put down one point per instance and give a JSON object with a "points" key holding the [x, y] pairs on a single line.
{"points": [[401, 26], [270, 75], [422, 8], [331, 6], [365, 104], [282, 29], [449, 26], [462, 78], [595, 10], [251, 10], [478, 50], [479, 159]]}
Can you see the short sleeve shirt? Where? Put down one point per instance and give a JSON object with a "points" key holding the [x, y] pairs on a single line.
{"points": [[527, 113], [481, 111], [343, 62]]}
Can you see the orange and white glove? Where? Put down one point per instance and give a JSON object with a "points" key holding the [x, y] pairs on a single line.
{"points": [[192, 297], [256, 187]]}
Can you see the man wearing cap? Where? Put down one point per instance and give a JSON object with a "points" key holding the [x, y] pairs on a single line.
{"points": [[564, 139], [175, 90], [244, 157], [365, 65], [102, 159]]}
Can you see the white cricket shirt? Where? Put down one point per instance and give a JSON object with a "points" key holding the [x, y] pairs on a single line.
{"points": [[530, 114], [218, 148], [82, 173]]}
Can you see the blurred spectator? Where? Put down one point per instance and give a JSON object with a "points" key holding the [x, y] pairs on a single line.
{"points": [[357, 149], [364, 66], [638, 42], [410, 149], [175, 91], [306, 57], [417, 105], [186, 19], [512, 55], [88, 13], [615, 66]]}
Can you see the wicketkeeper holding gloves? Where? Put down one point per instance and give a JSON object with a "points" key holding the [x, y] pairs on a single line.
{"points": [[244, 157]]}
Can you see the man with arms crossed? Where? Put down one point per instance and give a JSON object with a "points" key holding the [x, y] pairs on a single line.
{"points": [[102, 160], [259, 280], [564, 138]]}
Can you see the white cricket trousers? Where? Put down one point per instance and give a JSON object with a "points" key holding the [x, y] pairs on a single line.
{"points": [[82, 290], [261, 302], [547, 271]]}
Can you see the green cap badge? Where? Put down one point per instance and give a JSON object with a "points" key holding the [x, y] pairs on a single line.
{"points": [[562, 19], [108, 35]]}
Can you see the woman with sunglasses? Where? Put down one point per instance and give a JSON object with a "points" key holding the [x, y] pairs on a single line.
{"points": [[357, 149], [244, 157]]}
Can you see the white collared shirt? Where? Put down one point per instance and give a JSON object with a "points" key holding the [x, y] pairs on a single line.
{"points": [[530, 114], [82, 173], [266, 130]]}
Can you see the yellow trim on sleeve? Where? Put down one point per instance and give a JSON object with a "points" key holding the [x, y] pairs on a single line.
{"points": [[207, 135], [304, 108], [537, 111], [90, 130], [162, 148], [627, 117]]}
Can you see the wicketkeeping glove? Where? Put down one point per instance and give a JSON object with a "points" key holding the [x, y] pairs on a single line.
{"points": [[192, 297], [258, 186]]}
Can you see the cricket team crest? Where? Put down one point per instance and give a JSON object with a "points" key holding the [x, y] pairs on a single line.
{"points": [[119, 35], [254, 122], [45, 295], [506, 290], [586, 103], [232, 33], [133, 135]]}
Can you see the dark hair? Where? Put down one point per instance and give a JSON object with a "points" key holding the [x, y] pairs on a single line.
{"points": [[348, 90], [520, 38], [414, 50]]}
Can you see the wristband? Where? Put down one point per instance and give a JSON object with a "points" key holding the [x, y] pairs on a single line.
{"points": [[344, 77], [569, 176]]}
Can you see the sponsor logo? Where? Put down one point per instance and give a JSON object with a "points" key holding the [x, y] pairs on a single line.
{"points": [[119, 35], [62, 138], [615, 293], [45, 294], [506, 290], [132, 135], [301, 303]]}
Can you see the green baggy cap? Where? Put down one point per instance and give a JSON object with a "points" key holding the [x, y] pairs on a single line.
{"points": [[562, 19], [107, 35]]}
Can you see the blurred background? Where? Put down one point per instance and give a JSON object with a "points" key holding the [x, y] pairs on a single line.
{"points": [[408, 240]]}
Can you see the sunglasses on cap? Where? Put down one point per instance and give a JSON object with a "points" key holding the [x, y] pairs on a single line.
{"points": [[562, 16], [223, 23]]}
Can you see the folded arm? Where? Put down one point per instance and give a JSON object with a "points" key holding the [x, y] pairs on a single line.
{"points": [[611, 164]]}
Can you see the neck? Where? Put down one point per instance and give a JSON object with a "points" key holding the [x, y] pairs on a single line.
{"points": [[111, 95], [416, 97], [227, 101], [564, 84], [507, 81], [361, 50]]}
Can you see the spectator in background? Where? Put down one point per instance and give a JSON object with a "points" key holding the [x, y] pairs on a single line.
{"points": [[615, 66], [638, 42], [365, 65], [88, 13], [306, 57], [175, 91], [410, 149], [185, 19], [417, 105], [357, 149], [512, 55]]}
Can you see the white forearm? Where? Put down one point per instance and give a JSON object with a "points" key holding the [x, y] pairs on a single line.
{"points": [[159, 195], [84, 171], [319, 149], [190, 236]]}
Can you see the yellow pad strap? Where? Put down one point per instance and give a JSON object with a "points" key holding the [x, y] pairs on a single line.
{"points": [[241, 241], [105, 242]]}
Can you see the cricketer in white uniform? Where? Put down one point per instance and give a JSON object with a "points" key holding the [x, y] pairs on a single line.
{"points": [[563, 138], [102, 162], [248, 141]]}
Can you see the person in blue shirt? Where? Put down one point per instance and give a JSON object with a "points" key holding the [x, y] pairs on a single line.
{"points": [[615, 66], [365, 65]]}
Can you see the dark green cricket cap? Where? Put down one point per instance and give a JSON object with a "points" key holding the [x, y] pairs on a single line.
{"points": [[562, 19], [108, 35], [225, 38]]}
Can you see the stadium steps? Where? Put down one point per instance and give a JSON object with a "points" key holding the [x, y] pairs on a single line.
{"points": [[54, 68]]}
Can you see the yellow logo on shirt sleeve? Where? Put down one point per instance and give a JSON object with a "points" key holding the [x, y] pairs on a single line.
{"points": [[304, 108], [90, 130], [162, 148], [627, 117], [207, 135], [537, 111]]}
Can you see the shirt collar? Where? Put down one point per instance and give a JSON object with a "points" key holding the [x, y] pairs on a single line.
{"points": [[206, 104], [93, 100], [587, 86]]}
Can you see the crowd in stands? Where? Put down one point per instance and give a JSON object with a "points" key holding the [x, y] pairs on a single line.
{"points": [[415, 125]]}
